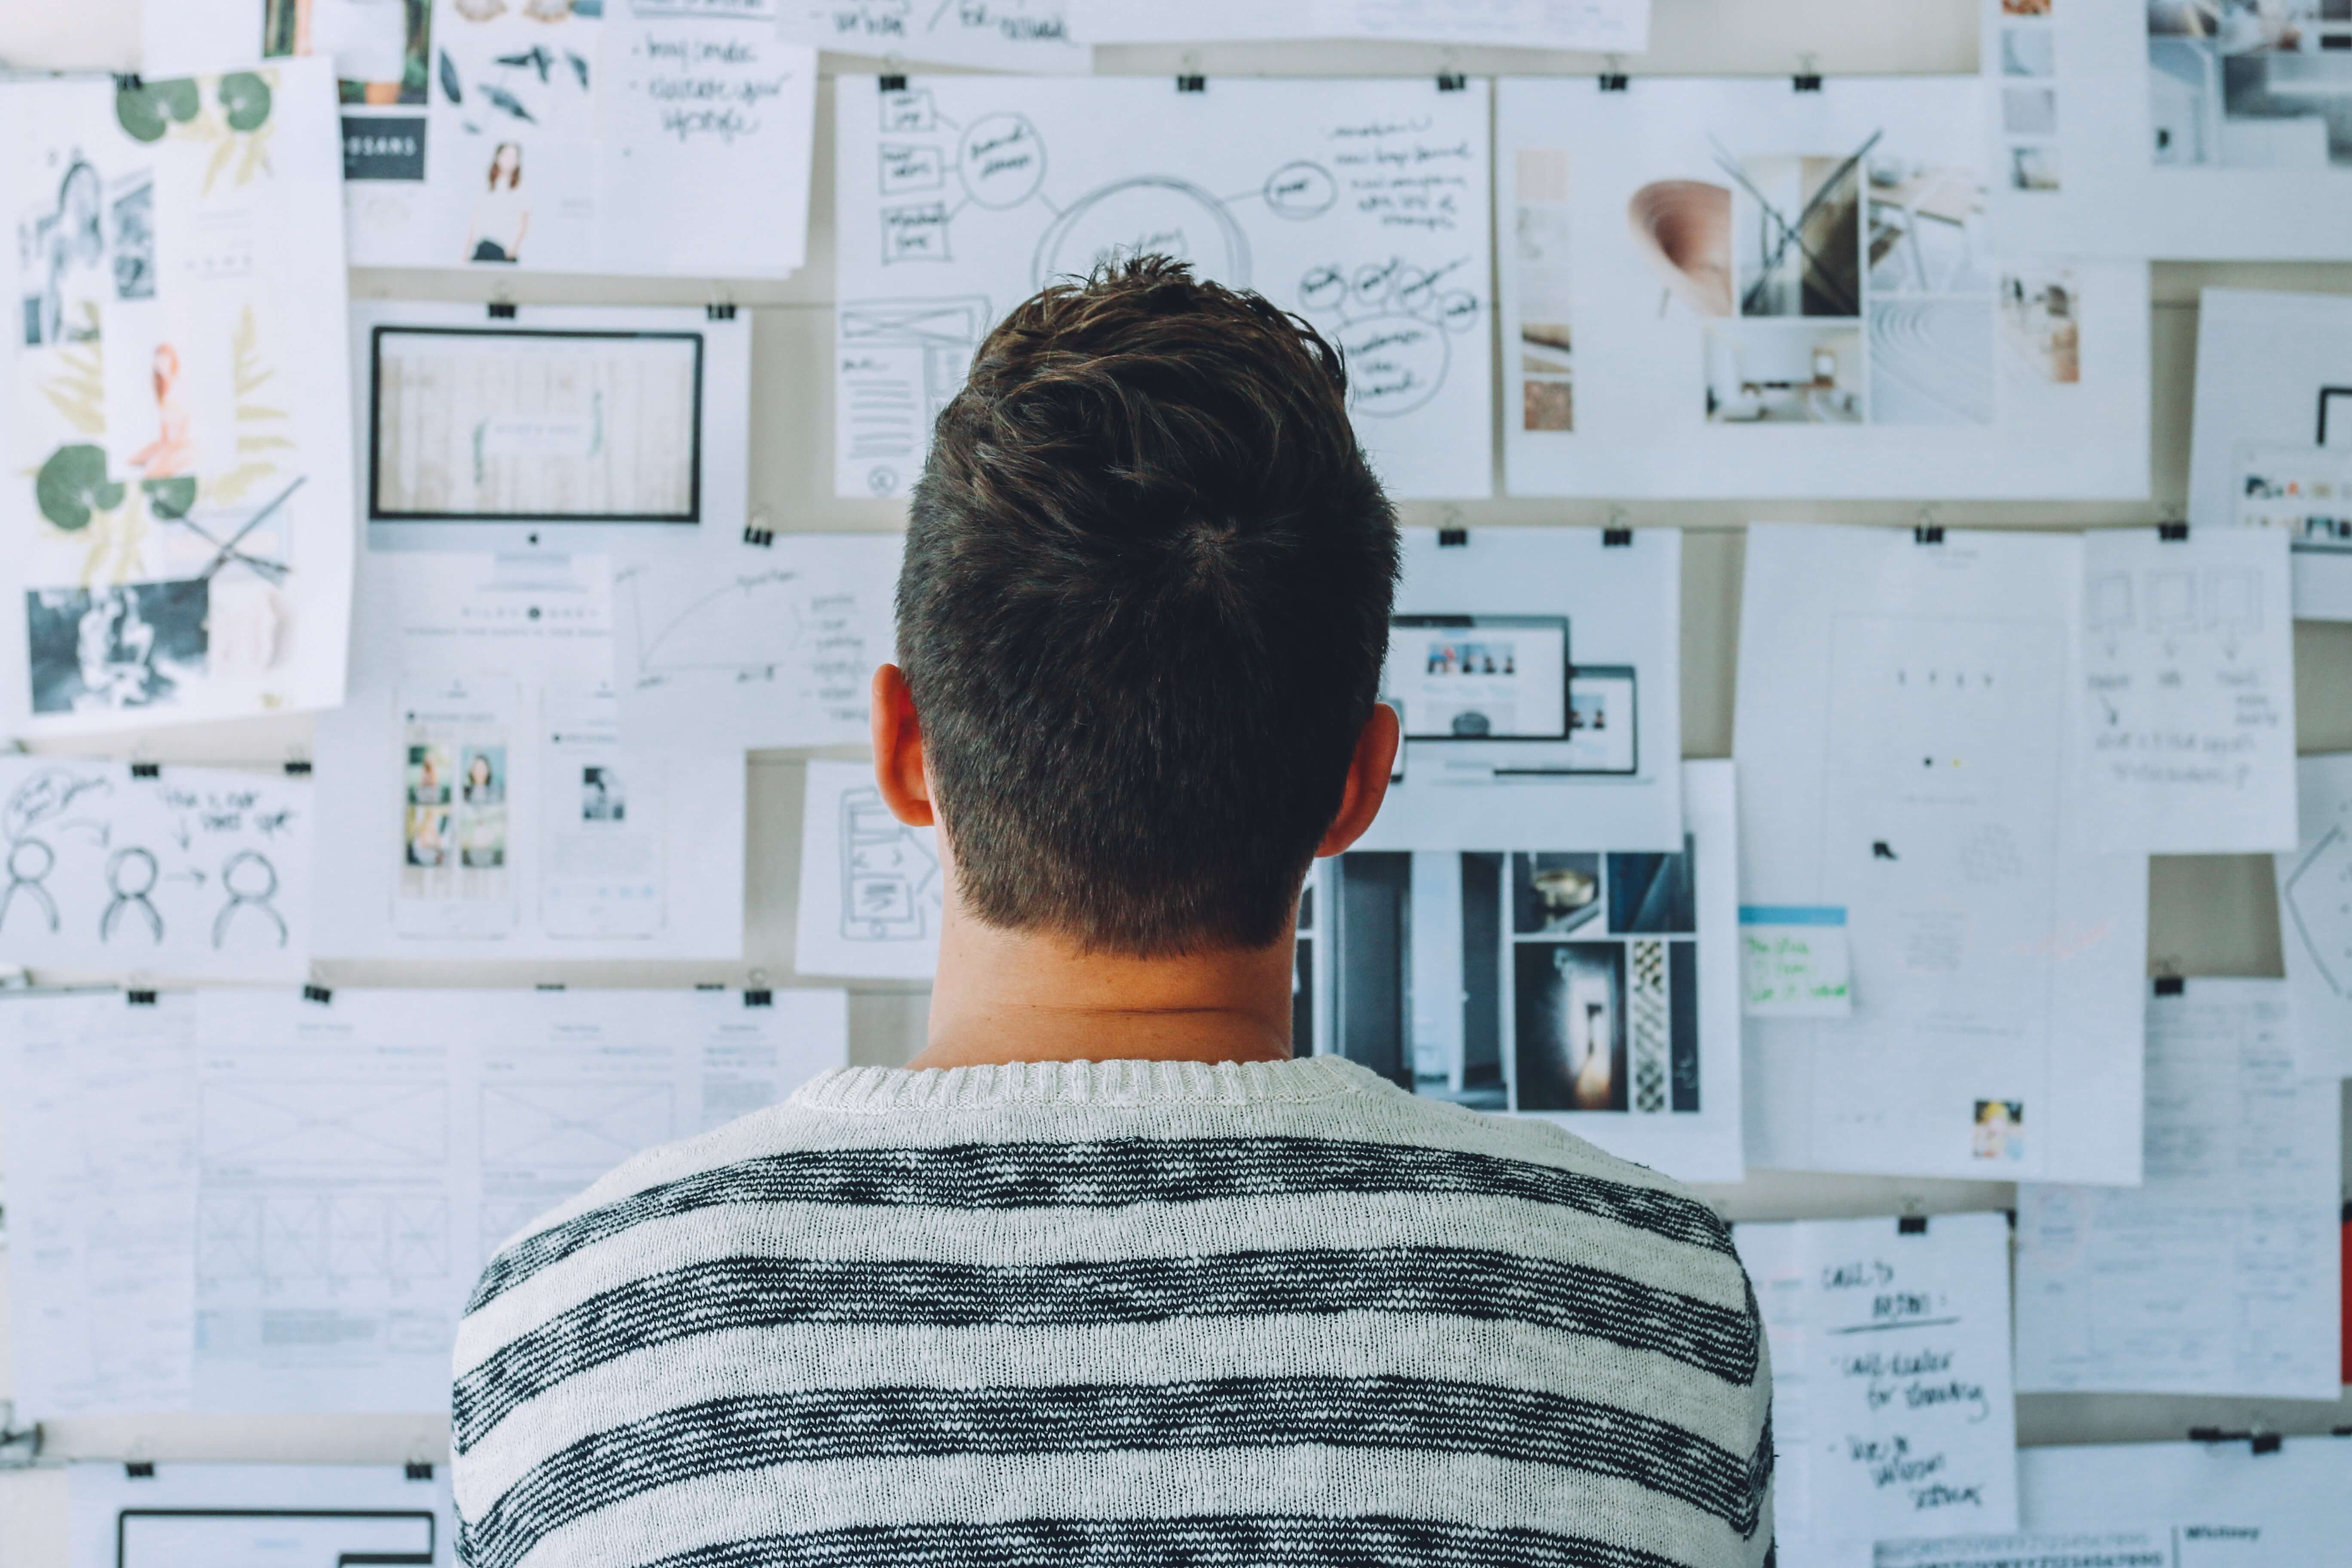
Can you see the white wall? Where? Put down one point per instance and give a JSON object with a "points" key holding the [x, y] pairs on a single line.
{"points": [[2210, 915]]}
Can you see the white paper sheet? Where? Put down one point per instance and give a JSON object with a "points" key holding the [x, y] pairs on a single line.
{"points": [[870, 886], [2315, 894], [2134, 128], [1623, 25], [1538, 672], [2221, 1273], [478, 797], [1905, 736], [2273, 444], [178, 528], [1362, 205], [189, 871], [2195, 1505], [1597, 988], [2188, 695], [1720, 288], [98, 1111], [987, 35], [1892, 1411], [260, 1516], [636, 136], [755, 645]]}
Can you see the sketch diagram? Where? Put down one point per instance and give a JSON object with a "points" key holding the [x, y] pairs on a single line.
{"points": [[175, 871], [573, 1126], [871, 888], [260, 1124], [265, 1237], [1364, 213], [889, 878]]}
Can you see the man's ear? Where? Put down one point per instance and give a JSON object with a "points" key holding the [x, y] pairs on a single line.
{"points": [[1368, 777], [899, 751]]}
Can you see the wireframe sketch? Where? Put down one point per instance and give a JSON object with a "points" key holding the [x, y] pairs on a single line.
{"points": [[2251, 84], [265, 1124], [889, 877], [283, 1238], [1361, 210], [573, 1126]]}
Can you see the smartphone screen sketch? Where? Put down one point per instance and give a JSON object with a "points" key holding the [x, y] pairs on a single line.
{"points": [[455, 746], [600, 871]]}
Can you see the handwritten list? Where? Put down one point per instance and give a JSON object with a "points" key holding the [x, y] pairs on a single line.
{"points": [[1892, 1413]]}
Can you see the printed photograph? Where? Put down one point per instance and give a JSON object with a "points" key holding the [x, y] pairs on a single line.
{"points": [[130, 646], [1999, 1129], [1651, 894], [2029, 111], [2029, 51], [485, 774], [1784, 372], [1570, 1013], [2040, 330], [1540, 254], [1931, 362], [384, 44], [427, 835], [432, 773], [1796, 234], [2025, 7], [602, 798], [2034, 168], [2251, 84], [1554, 893]]}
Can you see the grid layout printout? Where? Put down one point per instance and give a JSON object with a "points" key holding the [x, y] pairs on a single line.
{"points": [[1905, 734], [1362, 206], [616, 136], [175, 539], [2219, 1275], [180, 1515], [1726, 287], [1597, 989], [2191, 128], [323, 1176]]}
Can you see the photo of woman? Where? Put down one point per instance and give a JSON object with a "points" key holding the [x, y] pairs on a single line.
{"points": [[502, 216]]}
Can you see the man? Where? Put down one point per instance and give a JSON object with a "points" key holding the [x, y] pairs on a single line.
{"points": [[1108, 1276]]}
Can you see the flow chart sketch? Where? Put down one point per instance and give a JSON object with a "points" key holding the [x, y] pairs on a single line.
{"points": [[1362, 208], [1534, 671], [2174, 128], [2315, 894], [758, 638], [177, 536], [302, 1516], [1771, 293], [871, 887], [1597, 988], [2271, 445], [146, 869], [1600, 24], [985, 35], [2189, 691], [1906, 744]]}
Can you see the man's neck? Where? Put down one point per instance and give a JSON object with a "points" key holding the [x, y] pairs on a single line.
{"points": [[1021, 997]]}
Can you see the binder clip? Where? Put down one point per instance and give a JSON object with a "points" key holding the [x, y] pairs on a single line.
{"points": [[1452, 81], [419, 1470], [146, 770], [502, 310], [1616, 538], [128, 81], [1613, 78], [138, 1470], [1911, 1225], [1927, 534], [2170, 985], [893, 82], [754, 534], [138, 998], [1808, 78], [20, 1446], [1191, 84], [321, 995], [719, 311], [298, 767], [2172, 532], [759, 998]]}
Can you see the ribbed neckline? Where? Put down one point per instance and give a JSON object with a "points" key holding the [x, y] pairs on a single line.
{"points": [[872, 1090]]}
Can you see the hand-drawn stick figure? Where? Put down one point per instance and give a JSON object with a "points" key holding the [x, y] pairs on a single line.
{"points": [[251, 882], [131, 874], [29, 860]]}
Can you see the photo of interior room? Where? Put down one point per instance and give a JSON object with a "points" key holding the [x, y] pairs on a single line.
{"points": [[2251, 84]]}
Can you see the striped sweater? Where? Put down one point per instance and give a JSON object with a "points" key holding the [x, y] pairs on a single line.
{"points": [[1117, 1314]]}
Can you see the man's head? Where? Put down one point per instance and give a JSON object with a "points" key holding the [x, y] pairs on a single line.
{"points": [[1143, 613]]}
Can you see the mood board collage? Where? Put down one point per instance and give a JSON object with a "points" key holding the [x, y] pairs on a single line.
{"points": [[502, 557]]}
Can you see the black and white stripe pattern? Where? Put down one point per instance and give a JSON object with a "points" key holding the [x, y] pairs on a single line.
{"points": [[1241, 1315]]}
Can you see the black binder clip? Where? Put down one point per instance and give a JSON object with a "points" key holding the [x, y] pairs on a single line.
{"points": [[419, 1470], [719, 313], [1453, 537], [1452, 81], [146, 770], [138, 1470], [321, 995], [1613, 81], [894, 83], [298, 768], [759, 998], [2171, 985], [128, 81], [2172, 532], [1911, 1225], [755, 534], [502, 310], [1191, 84], [1806, 81], [1927, 534], [1616, 538], [138, 998]]}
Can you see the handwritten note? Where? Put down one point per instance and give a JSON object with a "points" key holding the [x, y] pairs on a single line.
{"points": [[1892, 1412], [1794, 962], [2188, 701], [991, 35], [704, 106]]}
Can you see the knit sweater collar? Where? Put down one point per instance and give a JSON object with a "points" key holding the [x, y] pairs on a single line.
{"points": [[874, 1090]]}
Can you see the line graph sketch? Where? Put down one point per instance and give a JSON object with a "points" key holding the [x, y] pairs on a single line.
{"points": [[574, 1125], [265, 1124], [1364, 210]]}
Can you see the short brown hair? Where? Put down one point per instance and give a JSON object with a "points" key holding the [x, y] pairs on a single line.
{"points": [[1144, 610]]}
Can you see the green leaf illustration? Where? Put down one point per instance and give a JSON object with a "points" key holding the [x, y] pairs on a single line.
{"points": [[146, 112], [245, 98], [170, 498], [73, 484], [178, 98]]}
